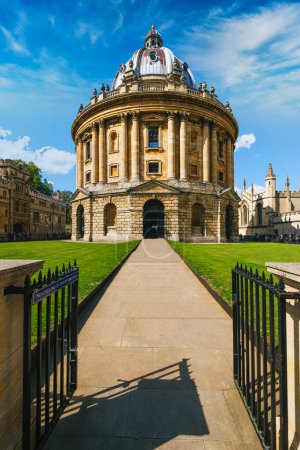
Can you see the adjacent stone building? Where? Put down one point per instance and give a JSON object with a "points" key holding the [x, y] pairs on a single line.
{"points": [[271, 211], [155, 155], [24, 213]]}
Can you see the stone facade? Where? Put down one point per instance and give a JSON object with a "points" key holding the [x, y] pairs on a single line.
{"points": [[155, 137], [271, 211], [23, 212]]}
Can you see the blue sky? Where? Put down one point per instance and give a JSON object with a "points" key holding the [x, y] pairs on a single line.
{"points": [[52, 55]]}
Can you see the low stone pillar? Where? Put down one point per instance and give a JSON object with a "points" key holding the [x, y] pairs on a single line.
{"points": [[290, 272], [12, 272]]}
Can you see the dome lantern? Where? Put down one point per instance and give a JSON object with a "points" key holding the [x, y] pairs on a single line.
{"points": [[153, 39]]}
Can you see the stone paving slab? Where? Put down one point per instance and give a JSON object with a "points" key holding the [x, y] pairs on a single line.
{"points": [[155, 365]]}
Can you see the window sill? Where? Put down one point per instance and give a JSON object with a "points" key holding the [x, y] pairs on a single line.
{"points": [[153, 174], [154, 149], [113, 151], [88, 160]]}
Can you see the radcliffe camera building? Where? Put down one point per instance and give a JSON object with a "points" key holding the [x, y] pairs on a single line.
{"points": [[155, 155]]}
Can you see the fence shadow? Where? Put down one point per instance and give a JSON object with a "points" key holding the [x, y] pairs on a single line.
{"points": [[156, 408]]}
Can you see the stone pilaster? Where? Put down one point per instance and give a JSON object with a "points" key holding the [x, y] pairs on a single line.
{"points": [[102, 152], [79, 157], [123, 148], [214, 153], [171, 145], [135, 141], [95, 154], [206, 152], [183, 147]]}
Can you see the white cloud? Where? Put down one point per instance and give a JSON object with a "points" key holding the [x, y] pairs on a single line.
{"points": [[256, 55], [48, 159], [119, 23], [245, 141], [257, 189], [4, 133], [13, 43], [87, 29]]}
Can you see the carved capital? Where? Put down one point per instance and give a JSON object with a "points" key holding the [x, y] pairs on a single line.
{"points": [[123, 117], [171, 115], [183, 117], [94, 126], [135, 115], [101, 123]]}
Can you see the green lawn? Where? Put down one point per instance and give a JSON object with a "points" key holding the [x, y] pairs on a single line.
{"points": [[215, 261], [95, 261]]}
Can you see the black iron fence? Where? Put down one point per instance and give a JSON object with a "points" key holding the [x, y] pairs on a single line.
{"points": [[50, 350], [260, 352]]}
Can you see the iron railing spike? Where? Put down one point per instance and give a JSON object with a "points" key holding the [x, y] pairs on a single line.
{"points": [[263, 277], [75, 263], [271, 280], [27, 281], [281, 285], [40, 277]]}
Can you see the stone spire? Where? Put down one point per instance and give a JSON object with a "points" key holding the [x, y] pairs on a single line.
{"points": [[244, 185], [287, 184], [270, 173]]}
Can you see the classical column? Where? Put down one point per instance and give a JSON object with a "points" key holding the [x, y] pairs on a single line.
{"points": [[229, 181], [79, 158], [171, 145], [123, 148], [135, 145], [206, 152], [214, 153], [200, 144], [95, 154], [232, 164], [183, 149], [102, 152], [146, 135]]}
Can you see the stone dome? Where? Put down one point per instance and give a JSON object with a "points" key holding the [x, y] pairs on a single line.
{"points": [[154, 60]]}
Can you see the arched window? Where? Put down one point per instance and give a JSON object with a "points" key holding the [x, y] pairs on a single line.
{"points": [[80, 222], [113, 142], [259, 214], [245, 215], [221, 150], [110, 215], [229, 222], [198, 219], [88, 151]]}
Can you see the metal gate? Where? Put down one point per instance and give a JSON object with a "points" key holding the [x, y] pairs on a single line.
{"points": [[50, 350], [260, 353]]}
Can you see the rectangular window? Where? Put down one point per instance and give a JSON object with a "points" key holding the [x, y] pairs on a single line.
{"points": [[154, 167], [36, 217], [114, 170], [221, 177], [153, 137], [88, 151], [88, 177], [194, 170]]}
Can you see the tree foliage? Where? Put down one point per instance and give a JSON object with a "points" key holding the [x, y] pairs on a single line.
{"points": [[36, 181]]}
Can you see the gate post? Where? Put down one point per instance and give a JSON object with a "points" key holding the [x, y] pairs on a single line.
{"points": [[12, 277]]}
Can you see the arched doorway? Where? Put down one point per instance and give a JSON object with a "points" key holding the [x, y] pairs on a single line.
{"points": [[80, 222], [153, 219], [198, 219], [229, 223], [110, 218]]}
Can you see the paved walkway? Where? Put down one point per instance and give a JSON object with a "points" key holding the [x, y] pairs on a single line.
{"points": [[155, 365]]}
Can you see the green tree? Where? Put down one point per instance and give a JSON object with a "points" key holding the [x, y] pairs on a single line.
{"points": [[65, 196], [36, 181]]}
